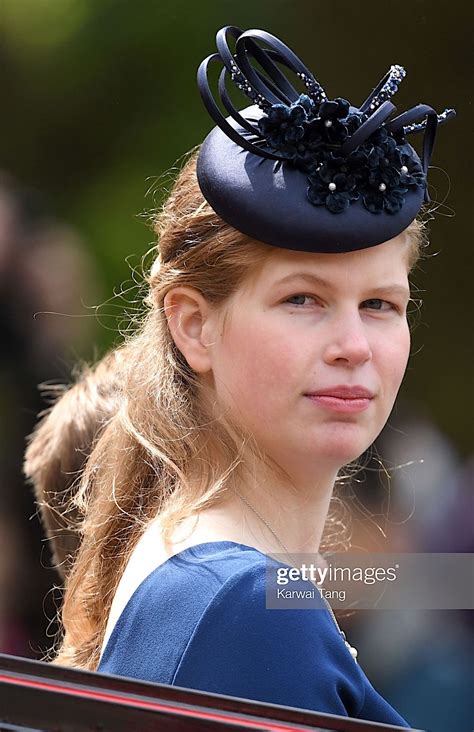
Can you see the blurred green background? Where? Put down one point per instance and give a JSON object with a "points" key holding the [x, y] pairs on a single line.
{"points": [[100, 99]]}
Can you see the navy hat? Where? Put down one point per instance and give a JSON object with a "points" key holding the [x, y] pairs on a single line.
{"points": [[300, 171]]}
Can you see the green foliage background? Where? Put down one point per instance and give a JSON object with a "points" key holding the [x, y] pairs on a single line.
{"points": [[99, 99]]}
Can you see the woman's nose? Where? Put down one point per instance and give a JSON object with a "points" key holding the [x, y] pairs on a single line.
{"points": [[348, 342]]}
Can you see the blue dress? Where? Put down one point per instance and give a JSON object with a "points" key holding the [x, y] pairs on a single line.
{"points": [[199, 621]]}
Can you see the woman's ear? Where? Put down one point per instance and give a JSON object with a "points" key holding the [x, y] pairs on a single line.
{"points": [[189, 320]]}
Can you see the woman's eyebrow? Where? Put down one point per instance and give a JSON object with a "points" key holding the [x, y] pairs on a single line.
{"points": [[304, 276], [392, 288]]}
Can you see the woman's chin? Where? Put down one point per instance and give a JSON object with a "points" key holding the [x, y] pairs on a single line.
{"points": [[341, 444]]}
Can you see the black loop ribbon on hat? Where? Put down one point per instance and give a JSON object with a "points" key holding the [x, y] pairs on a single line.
{"points": [[368, 127], [413, 115], [268, 85], [229, 61], [246, 46], [217, 115], [264, 90], [226, 101]]}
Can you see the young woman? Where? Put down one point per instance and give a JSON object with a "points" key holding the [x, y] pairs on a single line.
{"points": [[272, 348]]}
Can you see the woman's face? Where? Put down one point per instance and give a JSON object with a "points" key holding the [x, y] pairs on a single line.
{"points": [[308, 323]]}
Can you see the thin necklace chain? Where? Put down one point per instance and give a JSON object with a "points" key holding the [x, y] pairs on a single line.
{"points": [[352, 650]]}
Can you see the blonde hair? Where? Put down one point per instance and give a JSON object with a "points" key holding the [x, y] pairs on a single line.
{"points": [[117, 448]]}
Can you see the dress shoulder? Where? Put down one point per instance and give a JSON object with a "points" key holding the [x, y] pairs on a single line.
{"points": [[163, 610], [200, 621], [282, 656]]}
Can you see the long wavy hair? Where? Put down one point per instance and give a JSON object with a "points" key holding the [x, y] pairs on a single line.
{"points": [[116, 448]]}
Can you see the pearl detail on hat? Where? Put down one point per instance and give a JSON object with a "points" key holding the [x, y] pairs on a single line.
{"points": [[447, 114], [395, 76], [328, 123], [332, 186], [382, 187], [314, 88], [404, 169]]}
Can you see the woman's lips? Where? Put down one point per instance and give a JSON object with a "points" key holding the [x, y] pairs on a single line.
{"points": [[345, 398], [340, 404]]}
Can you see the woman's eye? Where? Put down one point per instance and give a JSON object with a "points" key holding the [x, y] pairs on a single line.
{"points": [[299, 297], [376, 304]]}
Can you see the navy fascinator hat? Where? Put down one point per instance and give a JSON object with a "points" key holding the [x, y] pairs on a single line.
{"points": [[299, 170]]}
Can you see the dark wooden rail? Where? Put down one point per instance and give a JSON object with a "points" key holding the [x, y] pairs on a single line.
{"points": [[39, 697]]}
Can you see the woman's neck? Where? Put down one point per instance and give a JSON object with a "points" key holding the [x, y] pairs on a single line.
{"points": [[270, 513]]}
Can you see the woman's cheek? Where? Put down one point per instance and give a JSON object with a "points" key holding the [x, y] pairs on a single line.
{"points": [[249, 366], [263, 371], [394, 353], [403, 350]]}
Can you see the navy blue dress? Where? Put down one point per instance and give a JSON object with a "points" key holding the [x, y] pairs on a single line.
{"points": [[199, 621]]}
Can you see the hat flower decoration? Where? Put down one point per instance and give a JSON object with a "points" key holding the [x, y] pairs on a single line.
{"points": [[321, 166]]}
